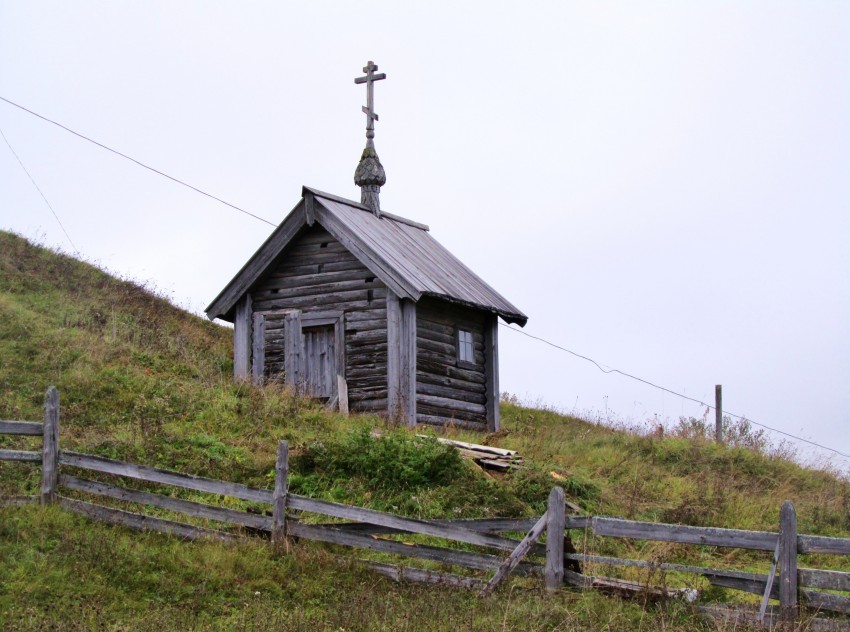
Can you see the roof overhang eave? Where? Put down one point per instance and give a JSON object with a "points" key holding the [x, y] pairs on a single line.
{"points": [[509, 317]]}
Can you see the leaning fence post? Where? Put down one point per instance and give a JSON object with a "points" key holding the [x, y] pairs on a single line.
{"points": [[281, 484], [788, 562], [50, 447], [556, 512]]}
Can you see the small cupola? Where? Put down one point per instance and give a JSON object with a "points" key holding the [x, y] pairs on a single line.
{"points": [[370, 175]]}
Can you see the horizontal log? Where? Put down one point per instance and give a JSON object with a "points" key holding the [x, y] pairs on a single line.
{"points": [[467, 559], [432, 367], [368, 336], [352, 319], [316, 289], [423, 377], [365, 357], [821, 544], [450, 404], [444, 351], [361, 326], [579, 522], [366, 370], [361, 389], [289, 281], [422, 527], [28, 456], [32, 428], [342, 301], [344, 262], [285, 270], [368, 388], [165, 477], [324, 256], [417, 575], [198, 510], [457, 415], [367, 405], [445, 392], [449, 339], [367, 394], [707, 536], [366, 344], [424, 328], [141, 522], [437, 420]]}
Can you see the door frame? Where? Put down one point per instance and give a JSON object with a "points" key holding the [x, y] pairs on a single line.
{"points": [[295, 321]]}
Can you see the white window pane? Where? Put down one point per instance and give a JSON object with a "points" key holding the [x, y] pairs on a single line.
{"points": [[466, 352]]}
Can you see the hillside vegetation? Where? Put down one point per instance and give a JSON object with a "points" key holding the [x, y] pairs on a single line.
{"points": [[144, 381]]}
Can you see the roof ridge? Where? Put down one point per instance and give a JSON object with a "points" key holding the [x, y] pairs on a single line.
{"points": [[363, 207]]}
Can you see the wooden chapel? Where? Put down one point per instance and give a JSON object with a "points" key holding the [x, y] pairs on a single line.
{"points": [[367, 310]]}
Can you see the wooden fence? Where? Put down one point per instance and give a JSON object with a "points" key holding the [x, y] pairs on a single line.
{"points": [[368, 529]]}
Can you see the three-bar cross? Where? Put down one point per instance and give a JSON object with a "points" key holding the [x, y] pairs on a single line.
{"points": [[369, 108]]}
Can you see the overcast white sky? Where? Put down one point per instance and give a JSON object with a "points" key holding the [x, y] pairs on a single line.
{"points": [[662, 186]]}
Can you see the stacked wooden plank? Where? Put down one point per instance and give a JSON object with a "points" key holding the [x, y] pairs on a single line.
{"points": [[486, 456]]}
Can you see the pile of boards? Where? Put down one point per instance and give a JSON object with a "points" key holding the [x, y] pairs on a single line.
{"points": [[486, 456]]}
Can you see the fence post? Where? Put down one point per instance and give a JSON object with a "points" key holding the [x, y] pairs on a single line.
{"points": [[718, 413], [281, 484], [50, 447], [788, 562], [556, 512]]}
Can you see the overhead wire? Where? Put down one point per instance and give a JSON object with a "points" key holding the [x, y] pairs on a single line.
{"points": [[138, 162], [672, 392], [543, 340], [40, 192]]}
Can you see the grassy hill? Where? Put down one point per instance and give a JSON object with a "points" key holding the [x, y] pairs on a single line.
{"points": [[142, 380]]}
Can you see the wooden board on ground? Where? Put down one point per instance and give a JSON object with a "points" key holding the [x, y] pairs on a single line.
{"points": [[420, 576]]}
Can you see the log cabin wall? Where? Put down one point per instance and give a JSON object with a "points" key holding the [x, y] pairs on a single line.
{"points": [[449, 391], [316, 274]]}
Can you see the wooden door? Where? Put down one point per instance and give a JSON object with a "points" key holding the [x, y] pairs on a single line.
{"points": [[320, 361]]}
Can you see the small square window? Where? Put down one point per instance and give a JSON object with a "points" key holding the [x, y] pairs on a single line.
{"points": [[465, 350]]}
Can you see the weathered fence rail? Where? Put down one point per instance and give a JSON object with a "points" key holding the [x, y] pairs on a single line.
{"points": [[373, 530]]}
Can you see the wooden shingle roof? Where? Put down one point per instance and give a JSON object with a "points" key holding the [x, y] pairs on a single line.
{"points": [[400, 252]]}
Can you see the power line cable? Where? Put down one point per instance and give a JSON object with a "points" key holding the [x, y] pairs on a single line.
{"points": [[672, 392], [141, 164], [241, 210], [37, 188]]}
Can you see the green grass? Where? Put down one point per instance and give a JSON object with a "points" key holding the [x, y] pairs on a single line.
{"points": [[144, 381], [61, 572]]}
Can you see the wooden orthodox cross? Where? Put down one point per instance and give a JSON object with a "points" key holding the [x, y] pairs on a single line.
{"points": [[369, 108]]}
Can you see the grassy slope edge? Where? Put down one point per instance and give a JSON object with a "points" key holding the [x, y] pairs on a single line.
{"points": [[144, 381]]}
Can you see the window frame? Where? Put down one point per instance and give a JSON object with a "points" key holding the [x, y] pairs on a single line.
{"points": [[459, 345]]}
